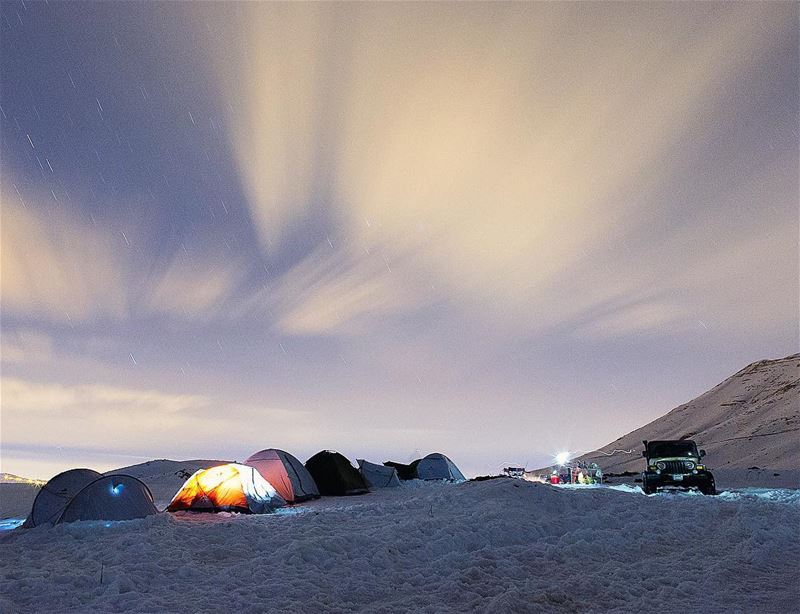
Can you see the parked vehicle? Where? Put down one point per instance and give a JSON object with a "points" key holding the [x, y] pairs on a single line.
{"points": [[675, 464]]}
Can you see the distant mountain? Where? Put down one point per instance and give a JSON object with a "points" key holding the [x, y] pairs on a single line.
{"points": [[752, 419], [10, 478]]}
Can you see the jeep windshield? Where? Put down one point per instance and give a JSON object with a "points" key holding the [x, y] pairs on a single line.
{"points": [[666, 449]]}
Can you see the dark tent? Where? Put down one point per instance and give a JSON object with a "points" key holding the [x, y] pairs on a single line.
{"points": [[54, 496], [83, 494], [111, 497], [287, 474], [405, 472], [334, 475]]}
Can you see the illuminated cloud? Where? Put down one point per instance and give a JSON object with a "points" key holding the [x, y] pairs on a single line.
{"points": [[56, 267], [193, 289], [336, 291], [56, 415], [25, 346], [465, 149], [278, 106]]}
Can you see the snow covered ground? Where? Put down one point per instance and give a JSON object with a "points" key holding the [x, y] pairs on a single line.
{"points": [[495, 546]]}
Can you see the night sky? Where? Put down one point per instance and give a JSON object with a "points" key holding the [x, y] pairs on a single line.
{"points": [[493, 230]]}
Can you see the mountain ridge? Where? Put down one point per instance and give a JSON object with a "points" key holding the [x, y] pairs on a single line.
{"points": [[749, 420]]}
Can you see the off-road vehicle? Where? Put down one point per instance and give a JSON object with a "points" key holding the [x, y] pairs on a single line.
{"points": [[676, 465]]}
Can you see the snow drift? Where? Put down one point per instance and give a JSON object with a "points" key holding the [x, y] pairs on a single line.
{"points": [[495, 546]]}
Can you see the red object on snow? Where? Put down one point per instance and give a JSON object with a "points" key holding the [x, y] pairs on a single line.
{"points": [[555, 479]]}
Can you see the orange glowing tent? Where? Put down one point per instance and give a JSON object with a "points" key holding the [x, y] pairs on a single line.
{"points": [[227, 488]]}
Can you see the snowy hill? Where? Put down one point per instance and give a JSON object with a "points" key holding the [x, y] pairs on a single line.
{"points": [[10, 478], [164, 477], [752, 419]]}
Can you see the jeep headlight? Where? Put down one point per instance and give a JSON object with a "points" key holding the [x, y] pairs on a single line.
{"points": [[689, 465], [661, 465]]}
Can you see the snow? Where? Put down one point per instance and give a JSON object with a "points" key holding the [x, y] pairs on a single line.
{"points": [[497, 545]]}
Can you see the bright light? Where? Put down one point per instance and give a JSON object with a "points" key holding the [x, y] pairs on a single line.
{"points": [[562, 458]]}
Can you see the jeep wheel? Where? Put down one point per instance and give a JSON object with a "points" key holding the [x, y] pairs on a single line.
{"points": [[709, 488], [647, 487]]}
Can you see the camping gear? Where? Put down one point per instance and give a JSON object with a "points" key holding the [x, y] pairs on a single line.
{"points": [[84, 494], [227, 488], [378, 476], [437, 466], [111, 497], [287, 474], [404, 472], [578, 472], [56, 494], [334, 475]]}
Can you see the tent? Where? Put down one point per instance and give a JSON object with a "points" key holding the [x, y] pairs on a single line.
{"points": [[54, 496], [227, 488], [378, 476], [111, 497], [334, 474], [84, 494], [438, 467], [404, 472], [287, 474]]}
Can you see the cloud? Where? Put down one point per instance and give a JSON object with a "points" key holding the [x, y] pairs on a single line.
{"points": [[115, 417], [60, 269], [193, 288], [25, 346], [636, 319], [278, 105], [337, 291], [56, 267], [459, 145]]}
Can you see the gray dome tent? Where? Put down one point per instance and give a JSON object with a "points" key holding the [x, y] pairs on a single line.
{"points": [[54, 496], [84, 494], [287, 474], [437, 466], [111, 497], [378, 476]]}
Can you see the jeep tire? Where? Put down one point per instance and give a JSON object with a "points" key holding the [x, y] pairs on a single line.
{"points": [[709, 487]]}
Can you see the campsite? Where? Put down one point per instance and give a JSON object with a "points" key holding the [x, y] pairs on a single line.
{"points": [[399, 307], [333, 534], [436, 546]]}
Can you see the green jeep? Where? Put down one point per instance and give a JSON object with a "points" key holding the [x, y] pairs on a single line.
{"points": [[675, 465]]}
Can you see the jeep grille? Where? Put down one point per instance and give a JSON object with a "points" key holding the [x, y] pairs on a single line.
{"points": [[675, 467]]}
